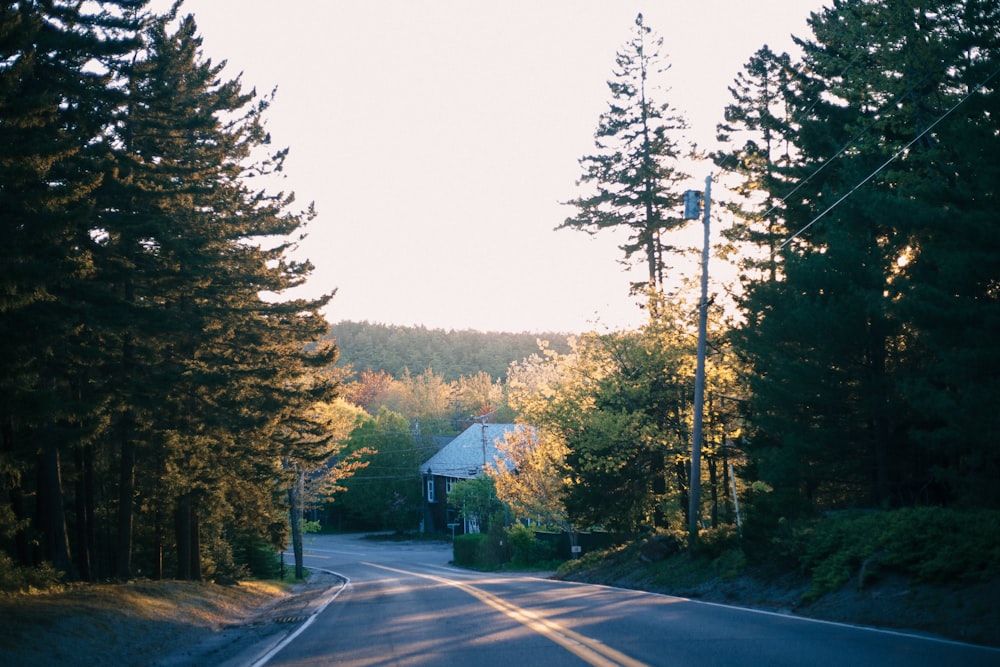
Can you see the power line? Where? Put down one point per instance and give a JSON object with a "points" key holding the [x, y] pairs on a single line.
{"points": [[826, 163], [890, 160]]}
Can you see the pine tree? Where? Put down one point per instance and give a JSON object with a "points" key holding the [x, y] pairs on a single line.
{"points": [[57, 95], [633, 177], [225, 366], [758, 118], [843, 391], [948, 273], [139, 350]]}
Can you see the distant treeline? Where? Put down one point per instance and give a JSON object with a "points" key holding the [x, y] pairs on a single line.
{"points": [[451, 354]]}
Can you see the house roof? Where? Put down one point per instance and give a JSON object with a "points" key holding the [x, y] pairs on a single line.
{"points": [[464, 456]]}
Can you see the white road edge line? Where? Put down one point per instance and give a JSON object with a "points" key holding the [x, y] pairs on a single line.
{"points": [[898, 633], [264, 659], [806, 619]]}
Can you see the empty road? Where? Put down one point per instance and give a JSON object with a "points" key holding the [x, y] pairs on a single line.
{"points": [[404, 605]]}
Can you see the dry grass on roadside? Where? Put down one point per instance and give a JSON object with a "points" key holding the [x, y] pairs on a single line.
{"points": [[121, 624]]}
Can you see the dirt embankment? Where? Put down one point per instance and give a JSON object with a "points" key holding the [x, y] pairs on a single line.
{"points": [[968, 613], [142, 623]]}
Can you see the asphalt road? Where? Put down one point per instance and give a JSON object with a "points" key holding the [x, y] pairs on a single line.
{"points": [[404, 605]]}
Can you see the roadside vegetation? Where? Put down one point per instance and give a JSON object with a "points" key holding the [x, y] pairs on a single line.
{"points": [[928, 569], [161, 419], [925, 545]]}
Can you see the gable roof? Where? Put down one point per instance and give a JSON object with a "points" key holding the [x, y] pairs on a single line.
{"points": [[464, 456]]}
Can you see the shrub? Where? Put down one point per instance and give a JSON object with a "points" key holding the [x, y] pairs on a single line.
{"points": [[475, 551], [526, 549], [931, 544], [17, 579], [258, 555], [715, 541]]}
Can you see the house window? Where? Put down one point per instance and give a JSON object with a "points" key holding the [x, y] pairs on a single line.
{"points": [[447, 484], [430, 490]]}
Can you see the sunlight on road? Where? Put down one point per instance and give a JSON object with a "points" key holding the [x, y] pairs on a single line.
{"points": [[589, 650]]}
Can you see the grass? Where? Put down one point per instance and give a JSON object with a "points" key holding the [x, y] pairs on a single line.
{"points": [[96, 624]]}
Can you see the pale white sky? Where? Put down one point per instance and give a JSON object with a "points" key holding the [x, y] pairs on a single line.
{"points": [[437, 139]]}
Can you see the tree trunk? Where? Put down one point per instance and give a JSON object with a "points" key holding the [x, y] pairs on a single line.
{"points": [[158, 529], [713, 482], [126, 504], [84, 513], [182, 534], [188, 536], [127, 445], [727, 500], [659, 486], [295, 515], [51, 516], [681, 471], [195, 542]]}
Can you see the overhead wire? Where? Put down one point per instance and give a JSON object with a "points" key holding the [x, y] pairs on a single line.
{"points": [[875, 118], [895, 155], [857, 53]]}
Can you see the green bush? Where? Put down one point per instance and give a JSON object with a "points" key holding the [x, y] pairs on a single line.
{"points": [[526, 549], [930, 544], [465, 548], [18, 579], [478, 550], [714, 542], [258, 555]]}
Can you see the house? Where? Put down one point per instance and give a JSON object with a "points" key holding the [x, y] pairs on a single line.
{"points": [[462, 458]]}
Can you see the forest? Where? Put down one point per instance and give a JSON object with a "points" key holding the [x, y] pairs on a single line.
{"points": [[155, 409], [159, 417], [366, 346]]}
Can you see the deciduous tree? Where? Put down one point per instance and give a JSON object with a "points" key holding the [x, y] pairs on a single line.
{"points": [[529, 476]]}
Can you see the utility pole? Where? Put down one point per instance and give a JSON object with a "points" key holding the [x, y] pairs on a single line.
{"points": [[699, 378]]}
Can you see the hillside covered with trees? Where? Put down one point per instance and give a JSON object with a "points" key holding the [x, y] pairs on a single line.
{"points": [[451, 354]]}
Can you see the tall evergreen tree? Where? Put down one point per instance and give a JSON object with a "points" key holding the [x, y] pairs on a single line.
{"points": [[757, 122], [842, 345], [57, 93], [947, 272], [139, 351], [633, 177], [228, 363]]}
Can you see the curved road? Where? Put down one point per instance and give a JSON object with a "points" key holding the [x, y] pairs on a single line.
{"points": [[404, 605]]}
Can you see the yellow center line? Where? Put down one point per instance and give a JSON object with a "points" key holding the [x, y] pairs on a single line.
{"points": [[589, 650]]}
